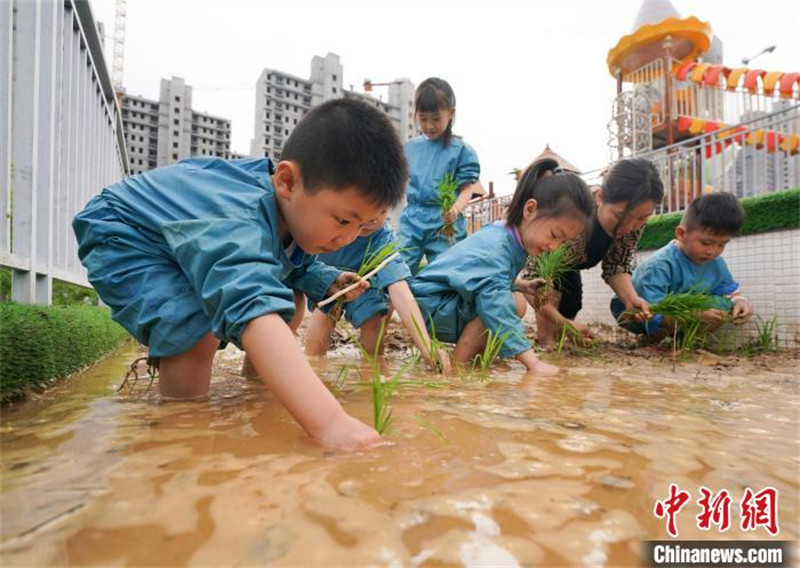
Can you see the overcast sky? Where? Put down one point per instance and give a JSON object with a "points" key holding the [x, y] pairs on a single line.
{"points": [[525, 73]]}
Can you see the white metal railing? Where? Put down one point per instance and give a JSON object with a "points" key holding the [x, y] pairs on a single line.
{"points": [[61, 138], [752, 158], [758, 156], [484, 211]]}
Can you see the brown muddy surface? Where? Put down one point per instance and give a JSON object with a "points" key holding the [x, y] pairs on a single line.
{"points": [[511, 471]]}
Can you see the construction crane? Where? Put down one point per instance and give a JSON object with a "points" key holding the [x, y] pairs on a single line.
{"points": [[119, 47], [369, 84]]}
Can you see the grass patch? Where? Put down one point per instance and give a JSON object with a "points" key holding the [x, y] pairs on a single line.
{"points": [[48, 343], [763, 213]]}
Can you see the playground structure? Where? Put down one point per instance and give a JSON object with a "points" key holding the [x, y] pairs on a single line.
{"points": [[707, 126]]}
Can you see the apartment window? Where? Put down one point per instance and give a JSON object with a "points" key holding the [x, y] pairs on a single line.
{"points": [[266, 128], [175, 133], [333, 89], [333, 77], [286, 131], [295, 121], [268, 115], [174, 156], [269, 89], [174, 144], [177, 110], [176, 122], [177, 99], [286, 119]]}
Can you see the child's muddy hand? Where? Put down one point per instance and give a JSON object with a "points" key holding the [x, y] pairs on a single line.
{"points": [[529, 287], [444, 358], [347, 434], [346, 279], [741, 311]]}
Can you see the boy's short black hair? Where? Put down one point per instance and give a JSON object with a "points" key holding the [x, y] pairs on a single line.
{"points": [[348, 143], [718, 212]]}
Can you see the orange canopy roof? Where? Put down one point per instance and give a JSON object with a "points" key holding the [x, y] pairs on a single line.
{"points": [[690, 38]]}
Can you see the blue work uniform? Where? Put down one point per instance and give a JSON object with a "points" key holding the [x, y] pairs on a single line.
{"points": [[373, 301], [193, 248], [669, 270], [473, 278], [421, 220]]}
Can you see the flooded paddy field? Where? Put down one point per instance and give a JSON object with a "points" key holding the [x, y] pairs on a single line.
{"points": [[510, 471]]}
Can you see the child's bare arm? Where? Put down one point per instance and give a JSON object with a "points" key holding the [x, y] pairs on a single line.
{"points": [[273, 350], [406, 306]]}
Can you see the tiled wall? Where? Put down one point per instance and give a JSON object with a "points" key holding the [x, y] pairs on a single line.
{"points": [[767, 267]]}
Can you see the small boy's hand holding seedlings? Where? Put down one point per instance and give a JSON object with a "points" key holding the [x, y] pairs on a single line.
{"points": [[741, 310], [712, 315], [344, 280]]}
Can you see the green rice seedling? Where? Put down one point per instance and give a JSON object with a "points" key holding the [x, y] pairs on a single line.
{"points": [[562, 338], [382, 391], [372, 259], [446, 197], [429, 426], [341, 379], [491, 350], [433, 346], [766, 335], [684, 306], [551, 266], [690, 335]]}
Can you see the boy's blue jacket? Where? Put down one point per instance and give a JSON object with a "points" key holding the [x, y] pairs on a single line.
{"points": [[217, 222]]}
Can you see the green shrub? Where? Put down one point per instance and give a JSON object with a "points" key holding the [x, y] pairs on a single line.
{"points": [[763, 213], [39, 344]]}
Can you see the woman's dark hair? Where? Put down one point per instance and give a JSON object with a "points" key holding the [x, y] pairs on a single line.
{"points": [[557, 192], [434, 95], [632, 181]]}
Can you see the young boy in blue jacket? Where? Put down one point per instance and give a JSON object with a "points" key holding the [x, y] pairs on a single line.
{"points": [[209, 250], [692, 262], [369, 311]]}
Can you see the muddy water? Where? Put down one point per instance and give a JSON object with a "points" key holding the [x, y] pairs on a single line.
{"points": [[510, 472]]}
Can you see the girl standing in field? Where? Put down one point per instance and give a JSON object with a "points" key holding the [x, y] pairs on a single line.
{"points": [[444, 174]]}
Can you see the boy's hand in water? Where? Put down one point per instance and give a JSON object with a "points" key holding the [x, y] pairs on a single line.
{"points": [[347, 434], [344, 280]]}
